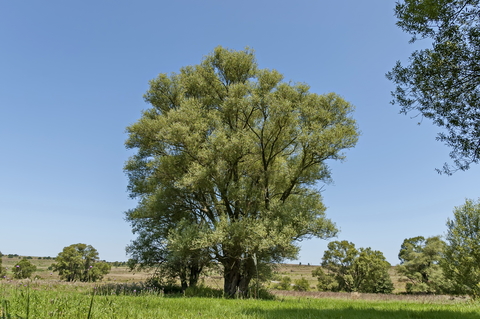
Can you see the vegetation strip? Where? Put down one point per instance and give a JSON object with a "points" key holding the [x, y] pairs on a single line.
{"points": [[76, 302]]}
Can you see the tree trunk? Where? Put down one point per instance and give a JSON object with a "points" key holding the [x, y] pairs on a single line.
{"points": [[194, 274], [231, 279], [237, 276], [183, 279]]}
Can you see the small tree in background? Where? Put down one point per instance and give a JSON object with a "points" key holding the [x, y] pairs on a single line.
{"points": [[370, 272], [420, 263], [23, 269], [462, 253], [349, 269], [338, 261], [80, 262]]}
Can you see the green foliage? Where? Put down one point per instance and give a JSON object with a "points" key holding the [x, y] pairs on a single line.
{"points": [[370, 272], [420, 262], [344, 268], [462, 253], [227, 166], [284, 284], [79, 262], [173, 259], [164, 284], [443, 83], [2, 270], [301, 285], [326, 281], [23, 269], [338, 260]]}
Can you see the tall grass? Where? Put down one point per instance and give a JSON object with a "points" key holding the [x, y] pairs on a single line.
{"points": [[41, 301]]}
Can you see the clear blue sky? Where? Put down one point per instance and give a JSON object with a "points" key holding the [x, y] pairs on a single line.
{"points": [[72, 76]]}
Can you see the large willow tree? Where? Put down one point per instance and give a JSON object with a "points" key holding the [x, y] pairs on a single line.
{"points": [[228, 163]]}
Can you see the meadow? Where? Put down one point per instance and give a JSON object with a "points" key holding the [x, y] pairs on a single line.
{"points": [[51, 299], [123, 295]]}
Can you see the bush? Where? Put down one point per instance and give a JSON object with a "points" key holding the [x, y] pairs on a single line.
{"points": [[264, 294], [301, 285], [168, 286], [23, 269], [284, 284], [326, 282]]}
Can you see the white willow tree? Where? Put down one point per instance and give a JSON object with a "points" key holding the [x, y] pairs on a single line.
{"points": [[230, 157]]}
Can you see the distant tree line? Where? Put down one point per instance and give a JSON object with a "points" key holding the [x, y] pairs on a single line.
{"points": [[118, 263]]}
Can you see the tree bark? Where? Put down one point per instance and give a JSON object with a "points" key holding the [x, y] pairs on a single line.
{"points": [[238, 273]]}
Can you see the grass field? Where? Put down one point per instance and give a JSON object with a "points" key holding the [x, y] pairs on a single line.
{"points": [[52, 299], [47, 297]]}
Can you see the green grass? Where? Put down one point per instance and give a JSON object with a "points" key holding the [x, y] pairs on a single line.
{"points": [[58, 300]]}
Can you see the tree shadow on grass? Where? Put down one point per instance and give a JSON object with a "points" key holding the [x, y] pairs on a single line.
{"points": [[355, 313]]}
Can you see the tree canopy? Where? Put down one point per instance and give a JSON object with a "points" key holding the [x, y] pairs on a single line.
{"points": [[420, 260], [229, 156], [462, 253], [80, 262], [344, 268], [442, 83]]}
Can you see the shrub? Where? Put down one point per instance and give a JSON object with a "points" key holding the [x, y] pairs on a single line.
{"points": [[167, 286], [326, 282], [23, 269], [284, 284], [301, 285]]}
